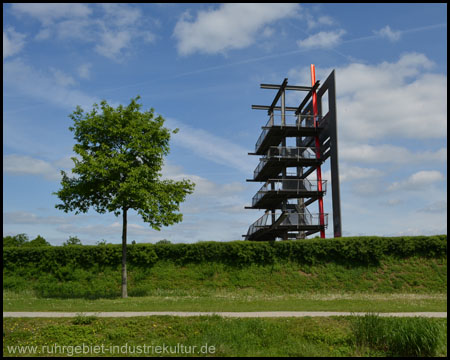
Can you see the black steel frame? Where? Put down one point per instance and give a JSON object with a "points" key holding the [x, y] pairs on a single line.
{"points": [[274, 135]]}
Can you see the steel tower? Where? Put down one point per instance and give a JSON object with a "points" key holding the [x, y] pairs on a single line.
{"points": [[286, 194]]}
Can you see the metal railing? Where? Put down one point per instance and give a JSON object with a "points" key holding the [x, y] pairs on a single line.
{"points": [[278, 152], [297, 219], [261, 222], [286, 120], [291, 152], [291, 219], [289, 185]]}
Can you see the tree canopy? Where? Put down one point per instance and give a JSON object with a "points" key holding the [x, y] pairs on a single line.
{"points": [[72, 240], [23, 240], [119, 167]]}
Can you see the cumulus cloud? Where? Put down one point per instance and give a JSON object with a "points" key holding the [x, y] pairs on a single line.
{"points": [[386, 100], [386, 32], [385, 153], [13, 42], [15, 164], [418, 181], [47, 13], [351, 173], [314, 21], [322, 40], [112, 43], [113, 32], [231, 26], [392, 99], [25, 165]]}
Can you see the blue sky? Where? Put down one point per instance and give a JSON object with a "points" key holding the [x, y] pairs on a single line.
{"points": [[200, 66]]}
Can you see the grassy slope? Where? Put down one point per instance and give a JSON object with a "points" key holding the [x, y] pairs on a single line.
{"points": [[217, 287]]}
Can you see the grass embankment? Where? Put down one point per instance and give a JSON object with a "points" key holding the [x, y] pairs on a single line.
{"points": [[393, 285], [215, 336], [344, 274], [350, 274]]}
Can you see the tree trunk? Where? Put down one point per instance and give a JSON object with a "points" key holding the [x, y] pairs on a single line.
{"points": [[124, 254]]}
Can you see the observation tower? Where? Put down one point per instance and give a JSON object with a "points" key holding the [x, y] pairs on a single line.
{"points": [[287, 194]]}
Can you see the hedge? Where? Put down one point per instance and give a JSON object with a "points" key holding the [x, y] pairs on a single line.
{"points": [[350, 250]]}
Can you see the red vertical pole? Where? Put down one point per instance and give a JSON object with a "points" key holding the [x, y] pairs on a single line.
{"points": [[319, 171]]}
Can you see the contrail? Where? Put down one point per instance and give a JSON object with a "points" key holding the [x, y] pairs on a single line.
{"points": [[240, 62], [422, 28], [287, 53], [369, 37]]}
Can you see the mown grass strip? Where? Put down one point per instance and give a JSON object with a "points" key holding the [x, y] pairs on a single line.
{"points": [[306, 302]]}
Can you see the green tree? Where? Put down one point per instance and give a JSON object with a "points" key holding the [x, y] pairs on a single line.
{"points": [[163, 241], [38, 241], [73, 240], [16, 240], [121, 154]]}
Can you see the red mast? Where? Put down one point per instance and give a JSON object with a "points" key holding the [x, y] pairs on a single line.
{"points": [[319, 171]]}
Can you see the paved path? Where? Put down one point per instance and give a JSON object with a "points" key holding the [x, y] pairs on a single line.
{"points": [[223, 314]]}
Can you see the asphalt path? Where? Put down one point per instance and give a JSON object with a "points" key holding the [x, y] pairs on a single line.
{"points": [[261, 314]]}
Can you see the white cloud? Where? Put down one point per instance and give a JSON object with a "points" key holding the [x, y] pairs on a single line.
{"points": [[379, 101], [98, 231], [349, 173], [207, 215], [268, 32], [385, 153], [53, 87], [23, 217], [418, 181], [323, 39], [435, 207], [420, 231], [48, 13], [62, 78], [26, 165], [391, 99], [43, 34], [314, 21], [113, 31], [212, 147], [112, 43], [203, 187], [231, 26], [84, 71], [121, 14], [74, 29], [393, 202], [120, 26], [386, 32], [13, 42]]}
